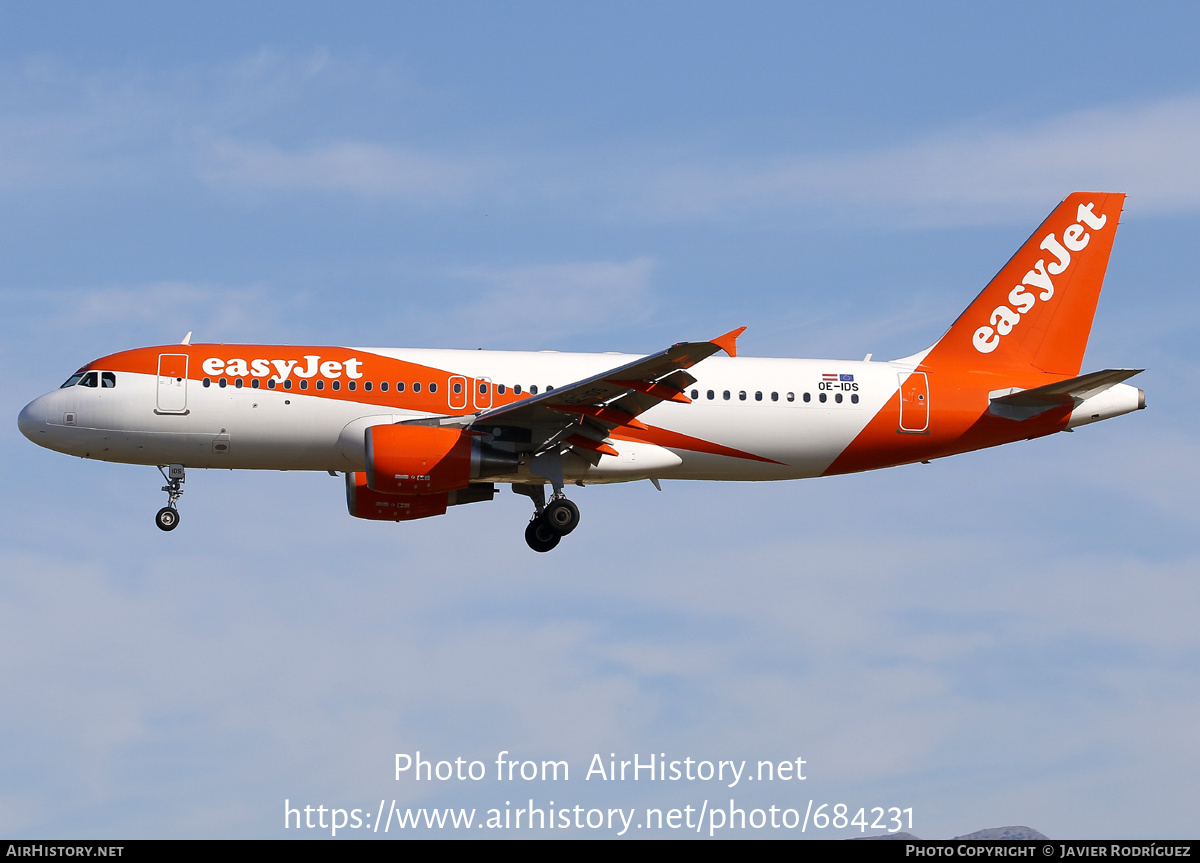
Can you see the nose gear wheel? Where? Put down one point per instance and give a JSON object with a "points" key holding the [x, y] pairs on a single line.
{"points": [[167, 518]]}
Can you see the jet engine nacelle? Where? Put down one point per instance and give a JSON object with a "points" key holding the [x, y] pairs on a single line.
{"points": [[364, 503], [422, 460]]}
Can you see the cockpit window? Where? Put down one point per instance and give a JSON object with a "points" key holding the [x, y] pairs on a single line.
{"points": [[72, 380], [91, 379], [108, 380]]}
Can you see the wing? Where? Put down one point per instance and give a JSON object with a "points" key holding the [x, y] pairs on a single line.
{"points": [[580, 415]]}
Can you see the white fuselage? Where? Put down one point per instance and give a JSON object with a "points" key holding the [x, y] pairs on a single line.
{"points": [[757, 407]]}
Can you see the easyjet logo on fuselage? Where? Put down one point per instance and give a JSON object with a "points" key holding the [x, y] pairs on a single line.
{"points": [[1022, 298], [312, 366]]}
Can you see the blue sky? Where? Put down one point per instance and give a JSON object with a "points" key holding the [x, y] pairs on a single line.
{"points": [[1004, 637]]}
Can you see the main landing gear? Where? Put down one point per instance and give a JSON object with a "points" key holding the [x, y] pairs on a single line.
{"points": [[167, 518], [551, 521]]}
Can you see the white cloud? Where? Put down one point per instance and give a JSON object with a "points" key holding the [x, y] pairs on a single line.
{"points": [[237, 128], [367, 169], [156, 310], [980, 176], [525, 305]]}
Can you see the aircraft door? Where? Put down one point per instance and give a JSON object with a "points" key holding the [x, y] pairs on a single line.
{"points": [[172, 383], [483, 393], [456, 394], [914, 402]]}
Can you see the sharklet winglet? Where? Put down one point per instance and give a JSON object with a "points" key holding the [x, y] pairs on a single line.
{"points": [[728, 342]]}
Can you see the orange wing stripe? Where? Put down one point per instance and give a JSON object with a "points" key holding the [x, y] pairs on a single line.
{"points": [[676, 440]]}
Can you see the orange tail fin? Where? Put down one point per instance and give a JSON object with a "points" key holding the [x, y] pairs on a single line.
{"points": [[1037, 312]]}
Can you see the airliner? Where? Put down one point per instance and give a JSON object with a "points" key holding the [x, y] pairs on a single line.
{"points": [[417, 431]]}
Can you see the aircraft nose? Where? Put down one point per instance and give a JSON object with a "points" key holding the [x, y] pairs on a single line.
{"points": [[31, 418]]}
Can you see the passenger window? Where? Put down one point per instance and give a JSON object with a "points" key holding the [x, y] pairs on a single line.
{"points": [[72, 380], [695, 394], [351, 385], [399, 386], [500, 388], [416, 388], [517, 390], [254, 384], [367, 386], [107, 380], [457, 388], [742, 395], [807, 398], [222, 383], [91, 379], [726, 395], [758, 397], [271, 384], [433, 388], [208, 382], [822, 397], [320, 384], [483, 389], [533, 389], [337, 385], [774, 397], [383, 386], [792, 397], [838, 398], [237, 382], [854, 398], [711, 395], [287, 385], [303, 384]]}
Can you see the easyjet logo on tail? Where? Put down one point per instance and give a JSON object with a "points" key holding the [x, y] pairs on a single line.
{"points": [[1037, 284]]}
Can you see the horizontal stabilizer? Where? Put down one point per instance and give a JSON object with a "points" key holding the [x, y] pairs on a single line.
{"points": [[1018, 404]]}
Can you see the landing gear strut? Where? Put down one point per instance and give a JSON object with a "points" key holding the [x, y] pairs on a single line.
{"points": [[551, 521], [167, 518]]}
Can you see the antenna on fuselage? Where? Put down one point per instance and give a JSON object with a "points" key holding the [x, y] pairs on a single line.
{"points": [[187, 340]]}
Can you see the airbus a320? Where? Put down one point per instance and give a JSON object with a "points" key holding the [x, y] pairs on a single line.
{"points": [[417, 431]]}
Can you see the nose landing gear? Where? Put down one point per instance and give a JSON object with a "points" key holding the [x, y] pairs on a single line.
{"points": [[551, 521], [167, 518]]}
